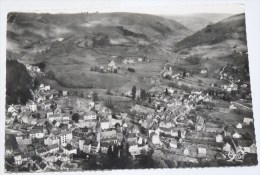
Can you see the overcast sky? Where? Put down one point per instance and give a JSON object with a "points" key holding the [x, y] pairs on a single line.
{"points": [[186, 9], [159, 7]]}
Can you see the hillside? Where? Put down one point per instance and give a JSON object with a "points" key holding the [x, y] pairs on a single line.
{"points": [[232, 28], [198, 21], [71, 44], [18, 77], [30, 31]]}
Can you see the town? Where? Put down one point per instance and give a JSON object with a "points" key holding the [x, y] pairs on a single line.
{"points": [[167, 126]]}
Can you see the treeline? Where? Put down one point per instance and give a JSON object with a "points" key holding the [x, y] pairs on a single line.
{"points": [[18, 83]]}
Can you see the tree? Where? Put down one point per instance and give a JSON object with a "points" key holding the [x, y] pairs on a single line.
{"points": [[150, 98], [95, 96], [75, 117], [166, 91], [134, 92], [143, 94]]}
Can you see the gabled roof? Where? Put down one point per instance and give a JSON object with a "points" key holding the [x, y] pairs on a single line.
{"points": [[94, 144], [87, 142], [53, 146], [42, 165], [104, 144], [58, 163], [68, 147]]}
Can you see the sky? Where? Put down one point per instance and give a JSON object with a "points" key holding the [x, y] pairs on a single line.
{"points": [[162, 7]]}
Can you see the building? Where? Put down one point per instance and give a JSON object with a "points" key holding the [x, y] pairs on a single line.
{"points": [[87, 146], [133, 147], [69, 149], [53, 148], [132, 137], [51, 140], [226, 147], [95, 146], [173, 143], [108, 134], [90, 115], [65, 137], [236, 135], [202, 152], [104, 124], [200, 125], [248, 121], [219, 138], [37, 133], [104, 147], [238, 125]]}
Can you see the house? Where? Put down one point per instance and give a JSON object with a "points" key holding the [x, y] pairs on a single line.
{"points": [[112, 65], [65, 137], [18, 159], [104, 147], [202, 152], [248, 121], [248, 146], [204, 71], [32, 106], [90, 115], [165, 130], [104, 124], [57, 117], [87, 146], [238, 125], [200, 125], [41, 151], [58, 164], [235, 134], [95, 146], [51, 140], [64, 93], [53, 148], [173, 143], [49, 113], [47, 88], [155, 139], [37, 133], [132, 137], [226, 147], [43, 166], [69, 149], [133, 147], [219, 138], [108, 134]]}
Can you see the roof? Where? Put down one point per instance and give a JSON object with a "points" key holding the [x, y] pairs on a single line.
{"points": [[36, 130], [87, 142], [53, 146], [41, 150], [68, 147], [165, 129], [131, 135], [58, 163], [42, 165], [108, 133], [202, 150], [94, 144], [132, 143], [65, 133], [104, 144]]}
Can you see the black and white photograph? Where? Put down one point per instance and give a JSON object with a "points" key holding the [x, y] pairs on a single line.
{"points": [[108, 90]]}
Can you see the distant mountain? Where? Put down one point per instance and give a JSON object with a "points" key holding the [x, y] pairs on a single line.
{"points": [[198, 21], [27, 30], [230, 28]]}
